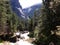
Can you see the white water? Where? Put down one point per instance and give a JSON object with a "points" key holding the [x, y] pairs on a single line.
{"points": [[23, 41], [25, 35]]}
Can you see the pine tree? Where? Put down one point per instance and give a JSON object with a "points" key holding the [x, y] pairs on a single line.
{"points": [[8, 19], [47, 23]]}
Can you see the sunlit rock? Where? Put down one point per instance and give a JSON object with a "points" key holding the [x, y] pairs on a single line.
{"points": [[22, 42]]}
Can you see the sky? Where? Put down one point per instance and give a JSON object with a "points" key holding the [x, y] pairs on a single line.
{"points": [[28, 3]]}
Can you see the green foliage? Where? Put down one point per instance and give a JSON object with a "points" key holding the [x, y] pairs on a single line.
{"points": [[8, 19], [43, 22], [47, 22], [1, 41]]}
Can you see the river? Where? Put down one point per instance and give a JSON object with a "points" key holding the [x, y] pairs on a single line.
{"points": [[24, 41]]}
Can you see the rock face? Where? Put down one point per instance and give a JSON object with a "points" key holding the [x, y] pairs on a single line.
{"points": [[30, 11], [17, 8], [58, 30], [24, 13]]}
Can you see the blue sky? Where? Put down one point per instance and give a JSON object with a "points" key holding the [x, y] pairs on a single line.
{"points": [[28, 3]]}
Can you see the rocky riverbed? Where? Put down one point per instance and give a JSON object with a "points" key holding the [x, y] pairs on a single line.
{"points": [[20, 41]]}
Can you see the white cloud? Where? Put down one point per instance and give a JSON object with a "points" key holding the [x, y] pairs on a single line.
{"points": [[28, 3]]}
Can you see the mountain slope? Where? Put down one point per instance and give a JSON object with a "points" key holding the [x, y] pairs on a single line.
{"points": [[30, 11], [23, 13], [17, 8]]}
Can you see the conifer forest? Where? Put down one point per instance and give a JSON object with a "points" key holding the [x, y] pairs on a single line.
{"points": [[44, 25]]}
